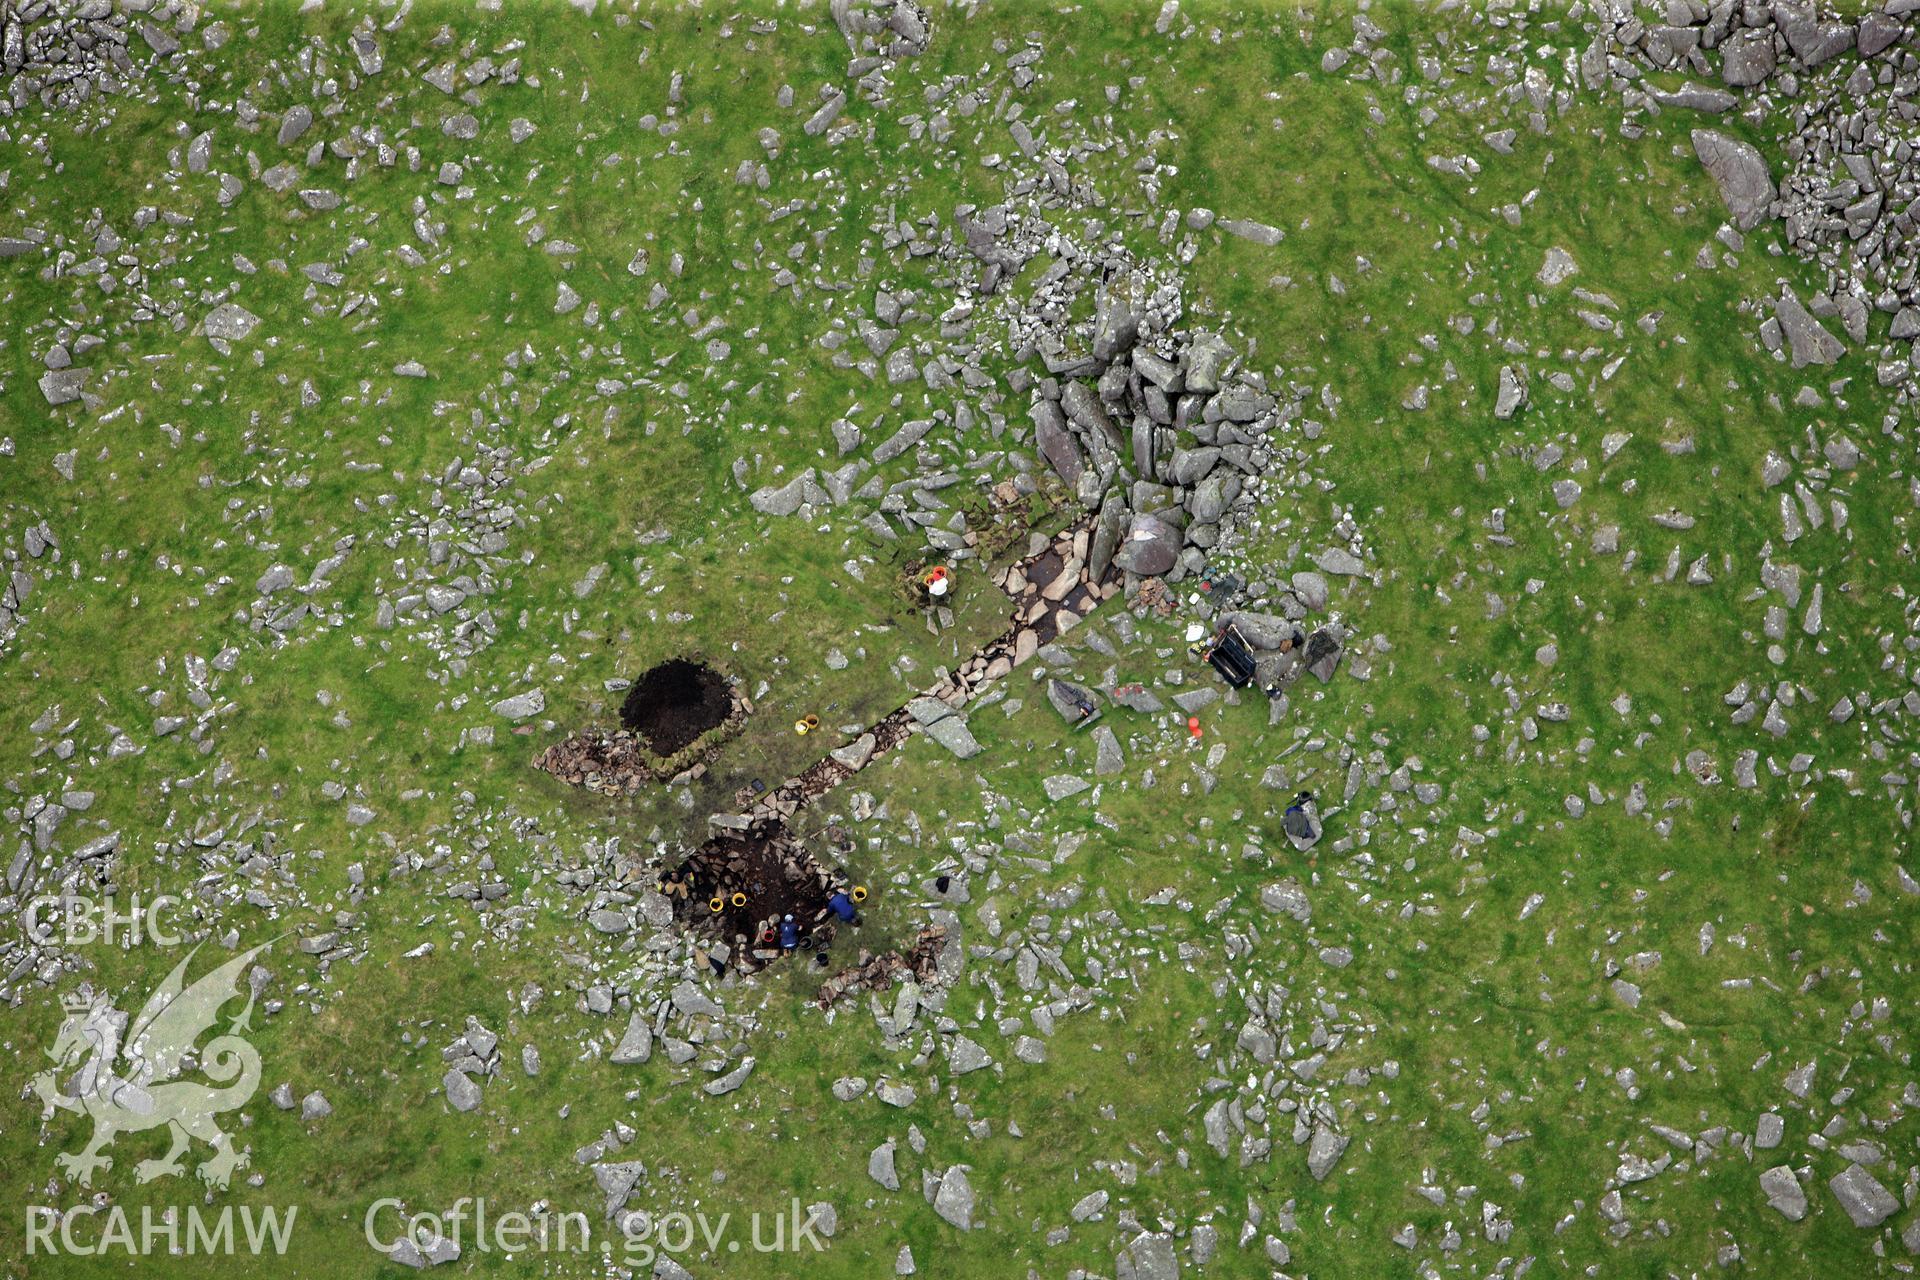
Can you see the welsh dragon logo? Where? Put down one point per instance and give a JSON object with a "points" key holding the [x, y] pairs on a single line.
{"points": [[124, 1074]]}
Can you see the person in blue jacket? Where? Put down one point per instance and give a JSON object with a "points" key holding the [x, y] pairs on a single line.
{"points": [[841, 905], [789, 933]]}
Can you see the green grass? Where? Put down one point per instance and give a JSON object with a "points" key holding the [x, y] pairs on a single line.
{"points": [[161, 544]]}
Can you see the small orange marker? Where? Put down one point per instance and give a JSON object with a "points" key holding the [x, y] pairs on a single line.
{"points": [[1193, 725]]}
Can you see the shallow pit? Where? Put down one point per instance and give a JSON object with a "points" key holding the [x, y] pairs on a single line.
{"points": [[672, 704]]}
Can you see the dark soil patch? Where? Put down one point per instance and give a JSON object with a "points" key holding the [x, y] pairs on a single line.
{"points": [[775, 873], [674, 703]]}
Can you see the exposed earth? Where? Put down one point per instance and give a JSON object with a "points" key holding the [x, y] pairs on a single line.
{"points": [[672, 704], [757, 876], [1411, 770]]}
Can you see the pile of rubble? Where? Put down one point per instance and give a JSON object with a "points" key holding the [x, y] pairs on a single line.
{"points": [[1160, 436], [877, 973], [611, 764], [880, 29], [619, 763], [61, 54]]}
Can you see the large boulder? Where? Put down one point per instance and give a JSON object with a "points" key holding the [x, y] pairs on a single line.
{"points": [[1783, 1192], [1867, 1203], [1055, 443], [1107, 528], [1084, 410], [953, 734], [1741, 171], [1207, 501], [1151, 547], [784, 499], [1812, 41], [1697, 97], [1261, 630], [636, 1045], [1511, 396], [1877, 32], [462, 1093], [521, 706], [1116, 326], [953, 1199], [1205, 359], [1323, 653], [1311, 588], [1747, 59], [1149, 1256], [1339, 560], [1808, 342], [1146, 450], [294, 124], [1241, 404], [1324, 1152], [1191, 466], [1072, 702], [64, 386]]}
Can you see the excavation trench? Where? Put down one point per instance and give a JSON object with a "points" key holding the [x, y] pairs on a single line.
{"points": [[1052, 590], [736, 888]]}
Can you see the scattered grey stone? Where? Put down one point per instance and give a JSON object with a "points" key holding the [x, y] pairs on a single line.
{"points": [[462, 1093], [1866, 1202], [732, 1080], [954, 1200], [229, 321], [64, 386], [636, 1044], [521, 706], [1324, 1151]]}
